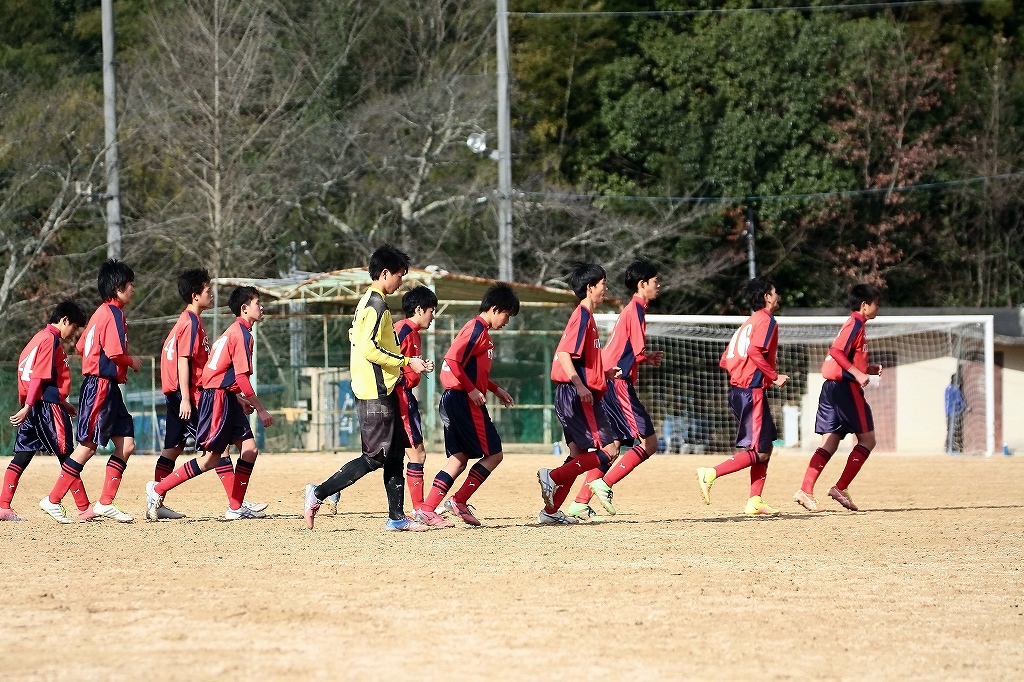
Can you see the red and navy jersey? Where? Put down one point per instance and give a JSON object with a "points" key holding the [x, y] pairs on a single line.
{"points": [[760, 334], [627, 344], [230, 356], [105, 337], [582, 342], [408, 334], [850, 344], [44, 359], [467, 364], [186, 340]]}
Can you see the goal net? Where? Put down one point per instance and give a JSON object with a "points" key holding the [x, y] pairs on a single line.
{"points": [[921, 356]]}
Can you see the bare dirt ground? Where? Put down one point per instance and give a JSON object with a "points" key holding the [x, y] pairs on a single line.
{"points": [[928, 583]]}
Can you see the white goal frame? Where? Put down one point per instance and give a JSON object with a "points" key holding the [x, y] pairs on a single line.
{"points": [[987, 321]]}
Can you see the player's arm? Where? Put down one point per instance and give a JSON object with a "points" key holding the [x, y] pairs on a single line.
{"points": [[412, 377], [368, 343], [241, 360], [185, 387], [115, 345], [504, 396], [564, 359], [638, 339], [839, 353], [755, 352], [35, 392]]}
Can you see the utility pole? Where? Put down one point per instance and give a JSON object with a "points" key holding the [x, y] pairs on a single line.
{"points": [[112, 163], [751, 261], [504, 150]]}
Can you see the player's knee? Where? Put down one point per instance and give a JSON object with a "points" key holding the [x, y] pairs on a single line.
{"points": [[763, 457], [496, 458], [867, 440], [21, 459], [128, 448], [651, 445], [375, 462], [603, 459]]}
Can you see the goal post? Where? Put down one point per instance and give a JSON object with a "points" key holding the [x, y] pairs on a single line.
{"points": [[920, 355]]}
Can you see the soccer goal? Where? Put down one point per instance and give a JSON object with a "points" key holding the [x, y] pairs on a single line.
{"points": [[920, 355]]}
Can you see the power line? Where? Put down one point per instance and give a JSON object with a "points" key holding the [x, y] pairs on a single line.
{"points": [[772, 197], [741, 10]]}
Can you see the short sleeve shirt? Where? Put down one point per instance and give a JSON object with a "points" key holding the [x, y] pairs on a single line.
{"points": [[411, 345], [105, 336], [230, 356], [186, 340], [628, 340], [852, 343], [474, 351], [44, 359], [760, 331], [581, 341]]}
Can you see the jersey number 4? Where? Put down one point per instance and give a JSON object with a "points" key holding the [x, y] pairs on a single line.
{"points": [[740, 341], [25, 368]]}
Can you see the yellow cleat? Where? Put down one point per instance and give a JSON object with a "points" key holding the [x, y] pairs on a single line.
{"points": [[758, 507], [706, 478]]}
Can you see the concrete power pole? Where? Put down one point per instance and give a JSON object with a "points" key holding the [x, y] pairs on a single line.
{"points": [[112, 163], [751, 260], [504, 150]]}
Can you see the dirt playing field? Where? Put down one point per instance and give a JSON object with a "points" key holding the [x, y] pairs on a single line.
{"points": [[928, 583]]}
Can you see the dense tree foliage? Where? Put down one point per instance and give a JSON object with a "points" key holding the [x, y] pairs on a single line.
{"points": [[247, 124]]}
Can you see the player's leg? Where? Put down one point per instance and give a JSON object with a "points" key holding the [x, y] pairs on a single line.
{"points": [[174, 437], [414, 474], [855, 415], [840, 492], [741, 402], [805, 495], [394, 482], [11, 478], [762, 436], [412, 435], [640, 425], [91, 420], [156, 490], [445, 478]]}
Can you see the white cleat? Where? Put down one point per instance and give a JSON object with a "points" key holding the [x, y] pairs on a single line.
{"points": [[547, 486], [168, 513], [154, 502], [330, 505], [111, 511], [254, 506], [242, 512], [57, 511], [558, 518]]}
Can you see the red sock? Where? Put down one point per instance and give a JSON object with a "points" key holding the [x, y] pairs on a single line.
{"points": [[561, 492], [477, 475], [77, 491], [70, 471], [414, 483], [112, 479], [164, 467], [11, 477], [442, 482], [758, 472], [818, 461], [226, 473], [567, 473], [243, 470], [738, 462], [853, 464], [583, 497], [631, 460], [185, 472]]}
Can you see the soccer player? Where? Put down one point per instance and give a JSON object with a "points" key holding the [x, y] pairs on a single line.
{"points": [[580, 381], [102, 415], [626, 349], [44, 420], [376, 366], [750, 359], [227, 397], [418, 305], [468, 430], [841, 406]]}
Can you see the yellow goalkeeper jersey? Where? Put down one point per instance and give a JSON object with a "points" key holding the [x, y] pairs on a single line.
{"points": [[377, 361]]}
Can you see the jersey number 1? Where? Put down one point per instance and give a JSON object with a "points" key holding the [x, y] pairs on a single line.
{"points": [[217, 349]]}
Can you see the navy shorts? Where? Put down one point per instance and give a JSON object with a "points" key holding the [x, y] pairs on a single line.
{"points": [[626, 413], [177, 432], [585, 425], [221, 421], [843, 410], [409, 411], [467, 427], [101, 412], [47, 428], [756, 428]]}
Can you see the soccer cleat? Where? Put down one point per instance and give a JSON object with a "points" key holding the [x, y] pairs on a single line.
{"points": [[547, 486], [163, 512], [57, 511], [9, 515], [604, 495], [111, 511], [807, 501], [463, 511], [582, 511], [405, 524], [254, 506], [556, 519], [758, 507], [154, 501], [87, 514], [310, 504], [330, 505], [242, 512], [843, 498], [706, 478], [432, 519]]}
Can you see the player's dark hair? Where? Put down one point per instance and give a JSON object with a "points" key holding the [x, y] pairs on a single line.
{"points": [[114, 276], [241, 296], [755, 291], [388, 258], [418, 297], [639, 271], [191, 283], [70, 310], [582, 275], [862, 293], [502, 297]]}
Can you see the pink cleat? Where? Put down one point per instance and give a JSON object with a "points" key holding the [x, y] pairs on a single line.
{"points": [[461, 510], [311, 505], [87, 514], [843, 498], [432, 519], [11, 515]]}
